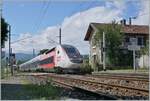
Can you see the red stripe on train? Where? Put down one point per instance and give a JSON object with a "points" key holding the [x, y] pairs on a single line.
{"points": [[51, 65]]}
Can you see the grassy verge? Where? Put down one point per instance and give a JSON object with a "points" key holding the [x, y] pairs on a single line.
{"points": [[5, 72], [42, 92], [24, 90]]}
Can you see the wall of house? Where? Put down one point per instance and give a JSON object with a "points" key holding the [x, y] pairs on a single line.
{"points": [[143, 61], [91, 58], [95, 56]]}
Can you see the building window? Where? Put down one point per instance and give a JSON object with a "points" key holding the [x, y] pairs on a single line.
{"points": [[140, 41], [127, 39]]}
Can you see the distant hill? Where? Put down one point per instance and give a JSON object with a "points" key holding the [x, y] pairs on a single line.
{"points": [[22, 56], [19, 57]]}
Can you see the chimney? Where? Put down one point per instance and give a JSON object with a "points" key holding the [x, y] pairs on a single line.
{"points": [[123, 22], [129, 20]]}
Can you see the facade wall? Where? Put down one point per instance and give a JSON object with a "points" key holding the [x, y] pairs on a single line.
{"points": [[91, 51], [143, 61], [95, 53]]}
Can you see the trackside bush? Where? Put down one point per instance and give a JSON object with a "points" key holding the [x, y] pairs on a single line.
{"points": [[86, 69]]}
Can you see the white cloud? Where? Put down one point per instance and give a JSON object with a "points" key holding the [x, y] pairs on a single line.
{"points": [[118, 4]]}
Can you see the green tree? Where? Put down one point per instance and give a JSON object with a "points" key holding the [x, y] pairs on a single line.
{"points": [[4, 31], [113, 38], [42, 51]]}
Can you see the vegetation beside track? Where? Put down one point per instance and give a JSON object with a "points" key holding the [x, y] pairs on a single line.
{"points": [[42, 92], [5, 72], [19, 88]]}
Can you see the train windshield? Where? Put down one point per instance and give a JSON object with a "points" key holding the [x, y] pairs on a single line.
{"points": [[71, 51]]}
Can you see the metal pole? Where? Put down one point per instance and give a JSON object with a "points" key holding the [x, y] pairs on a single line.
{"points": [[9, 46], [130, 21], [11, 63], [104, 67], [60, 36], [33, 52], [134, 60], [7, 61]]}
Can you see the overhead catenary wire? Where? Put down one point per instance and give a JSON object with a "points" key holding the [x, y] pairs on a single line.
{"points": [[38, 17], [40, 22], [43, 15], [21, 39]]}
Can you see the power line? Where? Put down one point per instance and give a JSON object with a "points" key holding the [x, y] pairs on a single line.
{"points": [[29, 36], [40, 22], [43, 16], [52, 41], [37, 20], [21, 39]]}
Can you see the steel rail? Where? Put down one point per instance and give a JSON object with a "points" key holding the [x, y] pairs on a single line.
{"points": [[144, 90], [145, 76], [120, 77]]}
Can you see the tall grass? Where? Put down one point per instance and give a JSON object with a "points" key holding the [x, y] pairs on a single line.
{"points": [[44, 92]]}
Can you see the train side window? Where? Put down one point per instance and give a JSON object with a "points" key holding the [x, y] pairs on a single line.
{"points": [[57, 52]]}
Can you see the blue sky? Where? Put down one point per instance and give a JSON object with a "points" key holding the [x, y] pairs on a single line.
{"points": [[33, 17], [30, 16]]}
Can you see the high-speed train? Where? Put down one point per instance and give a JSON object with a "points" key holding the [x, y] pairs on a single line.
{"points": [[62, 58]]}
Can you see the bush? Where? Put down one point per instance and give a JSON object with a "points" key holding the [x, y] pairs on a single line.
{"points": [[86, 69], [47, 91]]}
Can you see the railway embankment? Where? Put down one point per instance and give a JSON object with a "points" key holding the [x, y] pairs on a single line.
{"points": [[120, 86], [28, 88]]}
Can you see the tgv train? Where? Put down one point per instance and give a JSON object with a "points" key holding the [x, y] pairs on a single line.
{"points": [[62, 58]]}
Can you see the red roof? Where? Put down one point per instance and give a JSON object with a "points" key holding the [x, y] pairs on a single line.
{"points": [[128, 29]]}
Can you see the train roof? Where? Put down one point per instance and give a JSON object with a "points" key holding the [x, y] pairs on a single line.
{"points": [[67, 46], [32, 60]]}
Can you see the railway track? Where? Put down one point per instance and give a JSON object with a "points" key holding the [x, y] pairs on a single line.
{"points": [[124, 75], [129, 78], [59, 83], [130, 81], [114, 87]]}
